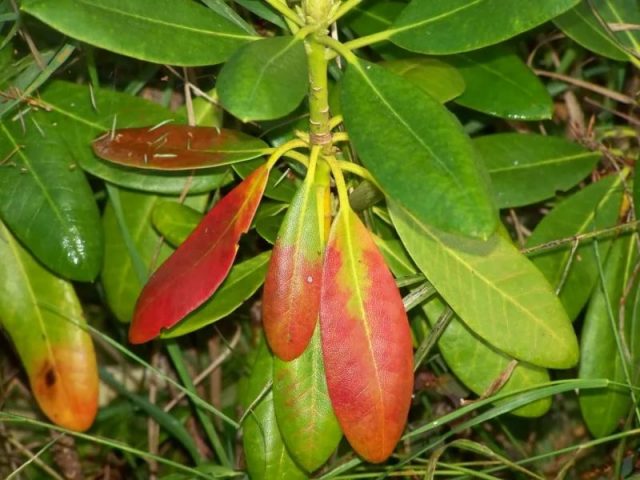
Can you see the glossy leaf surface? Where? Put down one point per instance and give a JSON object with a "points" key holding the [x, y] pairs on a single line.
{"points": [[526, 169], [198, 267], [495, 290], [499, 83], [478, 365], [594, 208], [176, 32], [45, 322], [266, 454], [408, 141], [174, 221], [303, 409], [366, 341], [583, 25], [603, 410], [291, 297], [47, 202], [436, 78], [71, 106], [427, 27], [244, 279], [264, 80], [177, 147]]}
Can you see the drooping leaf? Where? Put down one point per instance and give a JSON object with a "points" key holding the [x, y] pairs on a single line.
{"points": [[594, 208], [264, 80], [478, 365], [72, 106], [603, 410], [266, 454], [244, 279], [438, 79], [526, 169], [177, 32], [409, 141], [47, 202], [440, 27], [198, 267], [494, 289], [177, 147], [303, 409], [366, 340], [584, 26], [291, 298], [499, 83], [120, 281], [45, 322]]}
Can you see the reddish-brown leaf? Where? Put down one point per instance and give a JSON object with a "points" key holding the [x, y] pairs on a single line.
{"points": [[198, 267], [291, 299], [177, 147], [366, 341]]}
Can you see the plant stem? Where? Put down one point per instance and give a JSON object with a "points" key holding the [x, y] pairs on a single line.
{"points": [[286, 12], [369, 39], [345, 8], [319, 120]]}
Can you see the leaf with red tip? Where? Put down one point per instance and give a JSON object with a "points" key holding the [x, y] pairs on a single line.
{"points": [[44, 319], [291, 298], [366, 341], [177, 147], [198, 267]]}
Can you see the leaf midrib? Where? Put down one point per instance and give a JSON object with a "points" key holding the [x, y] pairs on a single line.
{"points": [[551, 161]]}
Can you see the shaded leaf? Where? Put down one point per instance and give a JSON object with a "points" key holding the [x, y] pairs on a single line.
{"points": [[280, 187], [526, 169], [45, 322], [303, 409], [495, 290], [174, 221], [427, 27], [244, 279], [436, 78], [583, 26], [291, 298], [198, 267], [47, 202], [177, 147], [366, 341], [71, 107], [499, 83], [264, 80], [267, 457], [603, 410], [593, 208], [407, 148], [177, 32]]}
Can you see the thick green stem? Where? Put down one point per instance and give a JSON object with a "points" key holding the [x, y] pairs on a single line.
{"points": [[319, 119]]}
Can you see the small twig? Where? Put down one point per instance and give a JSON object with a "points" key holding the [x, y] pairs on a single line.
{"points": [[606, 92]]}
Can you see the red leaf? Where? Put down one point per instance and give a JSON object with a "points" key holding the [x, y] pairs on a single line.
{"points": [[198, 267], [366, 341], [177, 147], [291, 299]]}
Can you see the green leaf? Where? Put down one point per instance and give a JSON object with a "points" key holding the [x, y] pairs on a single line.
{"points": [[244, 279], [174, 221], [594, 208], [44, 319], [46, 200], [583, 26], [303, 409], [178, 32], [438, 79], [450, 26], [258, 7], [121, 284], [224, 10], [376, 16], [72, 109], [478, 365], [279, 186], [264, 80], [410, 143], [499, 83], [526, 169], [495, 290], [603, 409], [267, 457]]}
